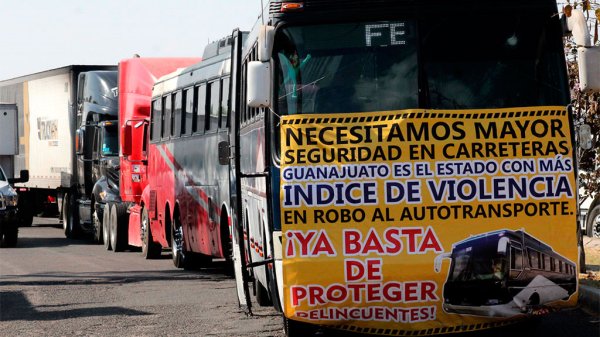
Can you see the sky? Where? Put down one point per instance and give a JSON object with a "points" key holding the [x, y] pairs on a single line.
{"points": [[39, 35]]}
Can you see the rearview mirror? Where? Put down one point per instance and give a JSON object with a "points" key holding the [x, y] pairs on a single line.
{"points": [[259, 85]]}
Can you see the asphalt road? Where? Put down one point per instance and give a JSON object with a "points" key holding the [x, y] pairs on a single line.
{"points": [[52, 286]]}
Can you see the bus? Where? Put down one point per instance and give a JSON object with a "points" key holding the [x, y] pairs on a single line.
{"points": [[368, 137], [186, 202], [503, 273]]}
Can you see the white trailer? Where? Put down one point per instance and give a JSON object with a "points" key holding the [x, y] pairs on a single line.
{"points": [[46, 118]]}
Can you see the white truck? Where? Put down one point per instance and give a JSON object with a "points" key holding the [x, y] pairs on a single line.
{"points": [[44, 124]]}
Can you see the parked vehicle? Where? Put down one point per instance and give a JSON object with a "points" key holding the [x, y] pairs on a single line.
{"points": [[121, 222], [351, 126], [9, 221], [45, 131]]}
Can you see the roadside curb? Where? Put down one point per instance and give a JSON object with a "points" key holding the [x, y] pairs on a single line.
{"points": [[589, 299]]}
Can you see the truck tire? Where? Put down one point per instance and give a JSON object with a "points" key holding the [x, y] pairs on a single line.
{"points": [[592, 225], [150, 249], [97, 223], [74, 228], [9, 237], [25, 218], [106, 227], [65, 215], [118, 230]]}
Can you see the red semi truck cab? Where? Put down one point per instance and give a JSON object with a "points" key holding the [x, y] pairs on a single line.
{"points": [[136, 79]]}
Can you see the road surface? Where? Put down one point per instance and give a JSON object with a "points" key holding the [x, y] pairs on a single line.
{"points": [[52, 286]]}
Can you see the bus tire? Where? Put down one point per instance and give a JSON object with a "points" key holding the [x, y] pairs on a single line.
{"points": [[195, 261], [118, 233], [106, 227], [592, 225], [262, 295], [150, 249], [177, 249]]}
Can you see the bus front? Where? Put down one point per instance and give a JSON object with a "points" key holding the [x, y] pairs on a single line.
{"points": [[398, 128]]}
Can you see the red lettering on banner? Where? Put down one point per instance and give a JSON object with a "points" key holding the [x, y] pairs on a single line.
{"points": [[416, 239]]}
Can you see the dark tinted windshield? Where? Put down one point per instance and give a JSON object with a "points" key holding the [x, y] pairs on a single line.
{"points": [[478, 263], [110, 141], [2, 177], [448, 60]]}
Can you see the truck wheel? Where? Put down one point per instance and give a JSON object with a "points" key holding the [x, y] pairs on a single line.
{"points": [[9, 237], [150, 249], [97, 222], [73, 218], [592, 225], [106, 227], [118, 233], [65, 215]]}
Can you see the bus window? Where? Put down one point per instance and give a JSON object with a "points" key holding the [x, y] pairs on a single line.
{"points": [[200, 109], [534, 259], [224, 121], [560, 266], [547, 263], [516, 258], [552, 264], [188, 110], [163, 119], [215, 102], [156, 120], [179, 125]]}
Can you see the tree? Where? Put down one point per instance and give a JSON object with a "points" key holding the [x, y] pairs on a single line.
{"points": [[586, 107]]}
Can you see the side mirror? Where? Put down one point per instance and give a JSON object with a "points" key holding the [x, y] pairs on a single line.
{"points": [[589, 68], [224, 153], [127, 134], [585, 137], [79, 137], [437, 262], [24, 177], [259, 84], [266, 38]]}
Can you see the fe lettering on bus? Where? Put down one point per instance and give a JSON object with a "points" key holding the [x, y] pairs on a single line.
{"points": [[376, 32]]}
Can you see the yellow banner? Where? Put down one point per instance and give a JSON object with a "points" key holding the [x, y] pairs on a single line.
{"points": [[436, 221]]}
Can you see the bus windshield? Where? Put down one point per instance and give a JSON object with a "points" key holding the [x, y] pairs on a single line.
{"points": [[472, 263], [432, 62]]}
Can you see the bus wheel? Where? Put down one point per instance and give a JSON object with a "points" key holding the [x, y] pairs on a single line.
{"points": [[106, 227], [150, 250], [118, 230], [593, 222], [97, 222], [177, 244], [262, 294]]}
